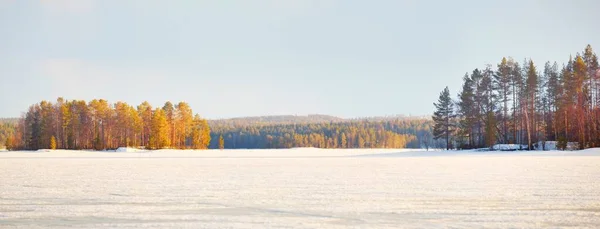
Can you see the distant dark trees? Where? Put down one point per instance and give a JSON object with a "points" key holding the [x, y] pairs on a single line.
{"points": [[391, 133], [77, 124], [519, 104]]}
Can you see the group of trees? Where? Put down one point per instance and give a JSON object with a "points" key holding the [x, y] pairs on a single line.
{"points": [[517, 104], [393, 133], [99, 125]]}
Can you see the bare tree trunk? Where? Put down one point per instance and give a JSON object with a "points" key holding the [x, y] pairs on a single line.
{"points": [[528, 130]]}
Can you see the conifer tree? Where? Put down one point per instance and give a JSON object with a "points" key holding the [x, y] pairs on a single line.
{"points": [[200, 133], [503, 80], [145, 112], [443, 117], [488, 100], [205, 134], [160, 132], [169, 111], [467, 111], [516, 84], [531, 88], [579, 76], [479, 94], [183, 124], [553, 91]]}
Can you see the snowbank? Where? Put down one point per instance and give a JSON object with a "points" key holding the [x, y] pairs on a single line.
{"points": [[551, 145], [509, 147], [548, 145], [128, 149]]}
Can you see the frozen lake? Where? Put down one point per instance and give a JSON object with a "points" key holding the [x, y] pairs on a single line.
{"points": [[299, 188]]}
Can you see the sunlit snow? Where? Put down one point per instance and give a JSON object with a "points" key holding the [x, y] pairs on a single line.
{"points": [[300, 188]]}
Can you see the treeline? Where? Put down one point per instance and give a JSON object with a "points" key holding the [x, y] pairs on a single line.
{"points": [[519, 104], [77, 124], [342, 134]]}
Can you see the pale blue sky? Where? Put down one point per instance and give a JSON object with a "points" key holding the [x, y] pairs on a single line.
{"points": [[268, 57]]}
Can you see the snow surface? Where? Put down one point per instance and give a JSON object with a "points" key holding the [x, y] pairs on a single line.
{"points": [[509, 147], [127, 149], [300, 188]]}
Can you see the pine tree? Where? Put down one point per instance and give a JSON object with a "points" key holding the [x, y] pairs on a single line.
{"points": [[52, 142], [183, 124], [205, 134], [196, 136], [503, 80], [553, 91], [488, 100], [221, 143], [516, 84], [170, 116], [478, 112], [593, 75], [531, 88], [145, 112], [466, 110], [200, 133], [443, 117], [579, 76], [159, 137]]}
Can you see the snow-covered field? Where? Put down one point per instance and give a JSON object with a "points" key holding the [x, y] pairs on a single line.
{"points": [[300, 188]]}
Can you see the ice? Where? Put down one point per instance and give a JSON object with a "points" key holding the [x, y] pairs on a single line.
{"points": [[300, 188]]}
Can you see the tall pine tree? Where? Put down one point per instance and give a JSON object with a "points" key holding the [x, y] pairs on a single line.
{"points": [[443, 117]]}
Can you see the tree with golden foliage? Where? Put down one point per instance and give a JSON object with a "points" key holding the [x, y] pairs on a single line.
{"points": [[52, 142], [159, 137], [183, 124], [200, 133]]}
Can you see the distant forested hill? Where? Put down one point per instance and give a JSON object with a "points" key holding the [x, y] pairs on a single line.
{"points": [[276, 119], [323, 131]]}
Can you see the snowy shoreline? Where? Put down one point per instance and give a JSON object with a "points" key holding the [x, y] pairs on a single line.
{"points": [[286, 153]]}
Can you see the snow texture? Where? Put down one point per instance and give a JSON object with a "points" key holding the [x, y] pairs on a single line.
{"points": [[300, 188], [127, 149], [505, 147]]}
